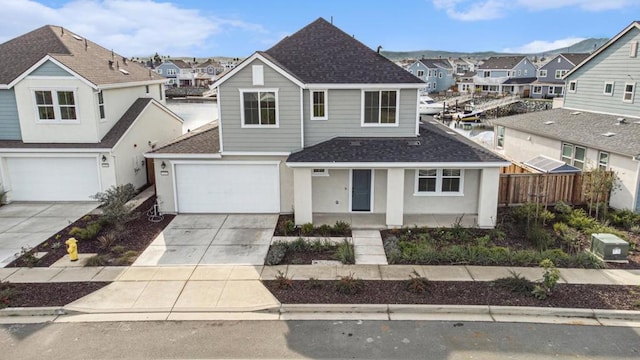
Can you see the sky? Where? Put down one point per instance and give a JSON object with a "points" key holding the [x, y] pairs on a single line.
{"points": [[236, 28]]}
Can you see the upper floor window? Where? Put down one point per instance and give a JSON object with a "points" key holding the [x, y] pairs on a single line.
{"points": [[560, 73], [603, 160], [486, 73], [380, 107], [500, 137], [160, 91], [159, 71], [542, 73], [420, 73], [318, 104], [629, 90], [525, 72], [146, 89], [573, 86], [440, 74], [608, 88], [519, 72], [439, 181], [55, 105], [259, 108], [101, 104], [574, 155], [171, 71]]}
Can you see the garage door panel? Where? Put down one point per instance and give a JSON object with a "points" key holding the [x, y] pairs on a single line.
{"points": [[53, 179], [228, 188]]}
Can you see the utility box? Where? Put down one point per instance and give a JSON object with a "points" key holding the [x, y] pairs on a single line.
{"points": [[609, 247]]}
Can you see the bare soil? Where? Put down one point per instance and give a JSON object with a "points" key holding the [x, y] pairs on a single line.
{"points": [[45, 294], [307, 257]]}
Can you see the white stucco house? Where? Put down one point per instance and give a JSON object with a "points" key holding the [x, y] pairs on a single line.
{"points": [[322, 124], [75, 118]]}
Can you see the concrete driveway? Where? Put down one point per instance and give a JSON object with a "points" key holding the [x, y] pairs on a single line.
{"points": [[211, 239], [29, 224]]}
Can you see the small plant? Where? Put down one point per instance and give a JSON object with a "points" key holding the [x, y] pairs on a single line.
{"points": [[563, 209], [117, 249], [7, 292], [28, 256], [324, 230], [87, 233], [349, 285], [459, 232], [579, 219], [345, 252], [107, 240], [97, 260], [392, 249], [56, 245], [127, 258], [282, 281], [58, 236], [417, 283], [276, 253], [539, 237], [341, 228], [314, 283], [550, 278], [516, 283], [288, 228], [307, 229]]}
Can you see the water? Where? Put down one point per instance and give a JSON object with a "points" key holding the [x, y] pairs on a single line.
{"points": [[194, 114]]}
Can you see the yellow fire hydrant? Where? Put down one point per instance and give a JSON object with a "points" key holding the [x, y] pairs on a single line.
{"points": [[72, 248]]}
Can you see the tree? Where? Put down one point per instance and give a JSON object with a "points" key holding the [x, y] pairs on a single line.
{"points": [[598, 185], [156, 58]]}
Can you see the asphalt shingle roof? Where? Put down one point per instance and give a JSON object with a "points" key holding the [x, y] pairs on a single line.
{"points": [[584, 128], [435, 145], [501, 62], [434, 63], [180, 63], [519, 81], [202, 140], [86, 58], [575, 58], [108, 141], [322, 53]]}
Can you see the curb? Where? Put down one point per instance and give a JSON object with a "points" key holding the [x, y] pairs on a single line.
{"points": [[33, 311]]}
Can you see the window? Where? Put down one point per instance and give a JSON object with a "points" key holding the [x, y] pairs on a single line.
{"points": [[573, 86], [486, 74], [525, 72], [519, 72], [633, 52], [160, 90], [537, 89], [259, 108], [380, 107], [608, 88], [320, 172], [159, 71], [428, 85], [603, 160], [573, 155], [542, 73], [629, 90], [55, 105], [318, 104], [560, 73], [440, 75], [171, 71], [420, 73], [434, 85], [146, 89], [101, 104], [500, 137], [439, 181]]}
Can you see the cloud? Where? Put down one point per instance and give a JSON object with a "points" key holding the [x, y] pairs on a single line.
{"points": [[540, 46], [130, 27], [475, 10]]}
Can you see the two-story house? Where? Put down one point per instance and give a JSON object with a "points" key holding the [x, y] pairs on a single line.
{"points": [[206, 72], [75, 118], [550, 82], [436, 73], [599, 124], [505, 74], [178, 72], [322, 124]]}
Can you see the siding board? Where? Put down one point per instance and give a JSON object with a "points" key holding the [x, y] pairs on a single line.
{"points": [[49, 69], [9, 121]]}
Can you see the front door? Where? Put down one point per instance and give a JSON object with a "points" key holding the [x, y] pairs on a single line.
{"points": [[360, 190]]}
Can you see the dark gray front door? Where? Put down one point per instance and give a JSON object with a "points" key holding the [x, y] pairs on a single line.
{"points": [[361, 190]]}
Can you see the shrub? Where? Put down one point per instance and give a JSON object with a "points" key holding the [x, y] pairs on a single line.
{"points": [[127, 258], [516, 283], [7, 291], [392, 250], [570, 237], [532, 213], [114, 204], [417, 283], [324, 230], [298, 244], [579, 219], [97, 260], [282, 281], [497, 235], [483, 240], [539, 237], [88, 233], [341, 228], [276, 253], [307, 229], [289, 227], [459, 232], [349, 285], [117, 249], [107, 240], [604, 228], [562, 209], [626, 219], [550, 278], [27, 256], [345, 252]]}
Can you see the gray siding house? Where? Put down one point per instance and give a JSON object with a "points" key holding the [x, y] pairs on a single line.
{"points": [[436, 73], [323, 126], [550, 82], [505, 74]]}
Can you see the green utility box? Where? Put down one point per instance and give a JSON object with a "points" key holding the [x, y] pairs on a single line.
{"points": [[609, 247]]}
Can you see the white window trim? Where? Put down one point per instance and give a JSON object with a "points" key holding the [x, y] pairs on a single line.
{"points": [[440, 75], [438, 191], [575, 87], [606, 165], [104, 109], [326, 104], [519, 72], [633, 92], [258, 126], [604, 89], [257, 75], [171, 71], [56, 107], [573, 154], [534, 89], [420, 73], [542, 73], [378, 124], [159, 71], [498, 136], [322, 172]]}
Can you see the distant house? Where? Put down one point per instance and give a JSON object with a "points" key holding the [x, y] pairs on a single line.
{"points": [[550, 82], [465, 82], [205, 72], [461, 66], [437, 73], [505, 74], [178, 72], [599, 125]]}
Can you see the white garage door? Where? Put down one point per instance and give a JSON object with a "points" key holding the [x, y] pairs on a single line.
{"points": [[228, 188], [53, 179]]}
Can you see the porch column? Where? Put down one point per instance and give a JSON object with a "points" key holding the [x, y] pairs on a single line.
{"points": [[302, 204], [395, 197], [488, 197]]}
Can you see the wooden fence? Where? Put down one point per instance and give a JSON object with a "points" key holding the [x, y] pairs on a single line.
{"points": [[516, 189]]}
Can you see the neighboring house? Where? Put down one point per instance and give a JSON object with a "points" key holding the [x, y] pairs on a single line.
{"points": [[318, 124], [599, 125], [436, 73], [550, 82], [75, 118], [505, 74], [206, 72], [461, 66], [465, 82], [178, 72]]}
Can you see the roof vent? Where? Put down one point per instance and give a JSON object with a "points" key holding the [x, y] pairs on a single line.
{"points": [[637, 122], [576, 113], [621, 121], [123, 71], [76, 37], [450, 132], [413, 142], [548, 122], [355, 143], [608, 134]]}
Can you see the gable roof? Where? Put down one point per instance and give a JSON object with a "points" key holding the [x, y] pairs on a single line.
{"points": [[501, 62], [209, 62], [633, 25], [434, 63], [575, 58], [86, 58], [434, 145], [202, 140], [584, 128], [320, 53], [179, 63]]}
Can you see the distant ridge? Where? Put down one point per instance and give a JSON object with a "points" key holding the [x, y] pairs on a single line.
{"points": [[584, 46]]}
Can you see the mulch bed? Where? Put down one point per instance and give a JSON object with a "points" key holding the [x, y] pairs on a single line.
{"points": [[307, 257], [282, 220], [46, 294], [458, 293], [139, 234]]}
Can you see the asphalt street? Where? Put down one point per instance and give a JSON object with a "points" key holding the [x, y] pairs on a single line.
{"points": [[316, 339]]}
